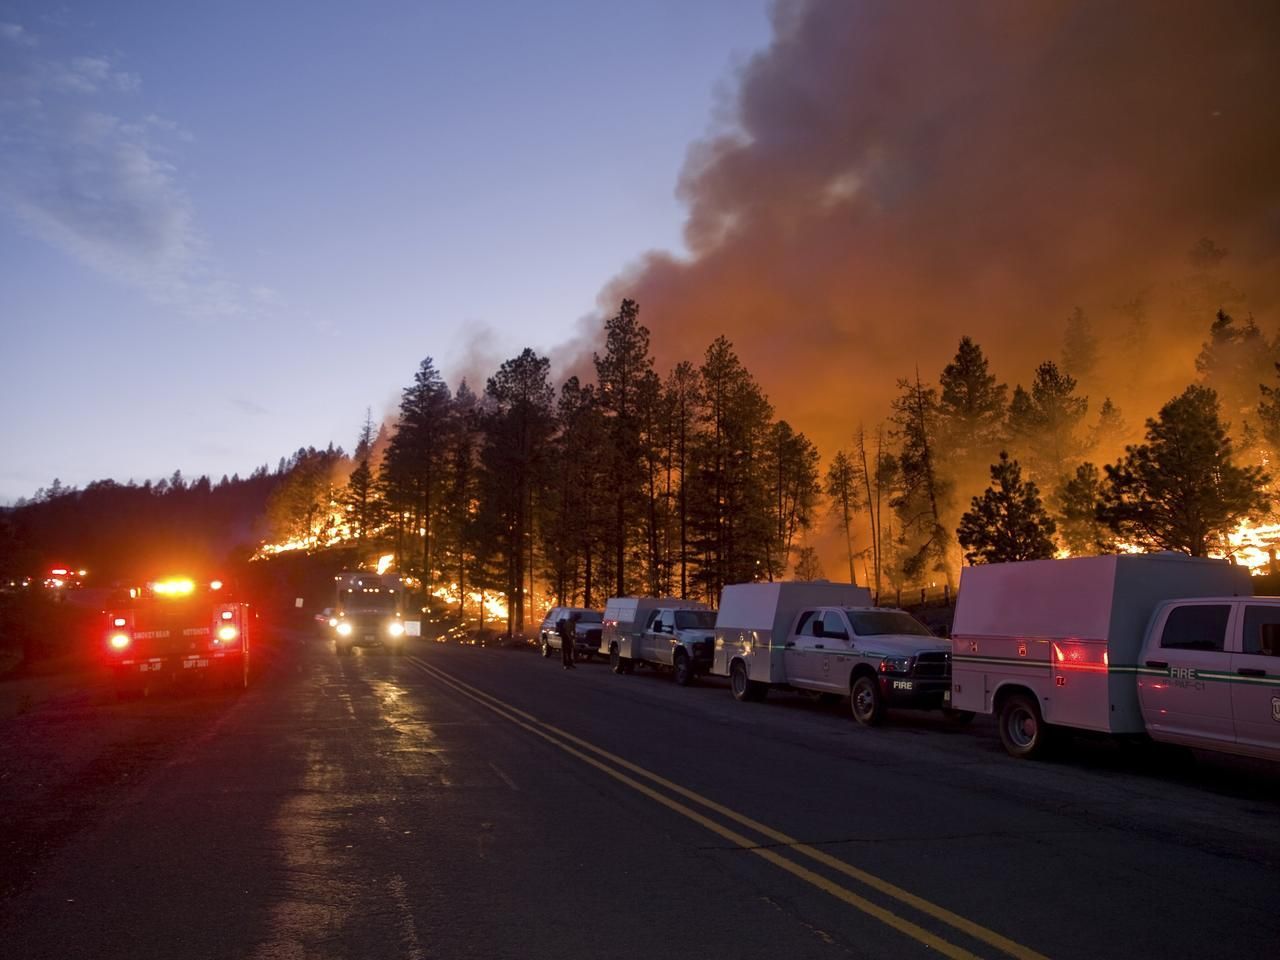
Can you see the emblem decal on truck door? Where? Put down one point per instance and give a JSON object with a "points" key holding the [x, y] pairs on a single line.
{"points": [[1275, 709]]}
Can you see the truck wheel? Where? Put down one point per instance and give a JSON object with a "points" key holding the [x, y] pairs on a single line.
{"points": [[546, 649], [866, 702], [744, 689], [958, 718], [616, 663], [1022, 728], [682, 670]]}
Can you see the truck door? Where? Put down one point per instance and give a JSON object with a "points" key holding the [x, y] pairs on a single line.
{"points": [[1189, 699], [662, 641], [650, 637], [1255, 677], [800, 654], [835, 659]]}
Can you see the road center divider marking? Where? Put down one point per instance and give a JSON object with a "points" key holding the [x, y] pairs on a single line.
{"points": [[545, 730]]}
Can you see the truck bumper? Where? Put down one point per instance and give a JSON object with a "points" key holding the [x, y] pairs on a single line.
{"points": [[913, 694]]}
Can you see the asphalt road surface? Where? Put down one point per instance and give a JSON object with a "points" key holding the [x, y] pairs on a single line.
{"points": [[461, 802]]}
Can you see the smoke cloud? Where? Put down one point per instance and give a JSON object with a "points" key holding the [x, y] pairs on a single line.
{"points": [[897, 174]]}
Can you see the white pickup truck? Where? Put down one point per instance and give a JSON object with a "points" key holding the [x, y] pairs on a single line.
{"points": [[827, 638], [1162, 644], [658, 631]]}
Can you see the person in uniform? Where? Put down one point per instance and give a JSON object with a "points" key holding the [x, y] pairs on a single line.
{"points": [[567, 630]]}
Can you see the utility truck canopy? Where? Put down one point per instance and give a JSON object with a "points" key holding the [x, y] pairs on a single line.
{"points": [[1071, 631]]}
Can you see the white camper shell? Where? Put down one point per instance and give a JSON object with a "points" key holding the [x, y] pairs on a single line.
{"points": [[826, 638], [1077, 643], [625, 618]]}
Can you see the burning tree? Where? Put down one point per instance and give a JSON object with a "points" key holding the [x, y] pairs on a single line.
{"points": [[1181, 490]]}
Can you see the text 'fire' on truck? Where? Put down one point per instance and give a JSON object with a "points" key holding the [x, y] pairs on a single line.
{"points": [[370, 609], [173, 629]]}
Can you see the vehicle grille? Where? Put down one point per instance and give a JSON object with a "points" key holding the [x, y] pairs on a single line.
{"points": [[933, 665]]}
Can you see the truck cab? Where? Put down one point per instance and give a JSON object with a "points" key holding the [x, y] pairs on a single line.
{"points": [[681, 638], [879, 657], [370, 610], [1209, 675], [176, 628]]}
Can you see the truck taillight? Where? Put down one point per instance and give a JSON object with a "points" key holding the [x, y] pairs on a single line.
{"points": [[227, 633], [119, 641]]}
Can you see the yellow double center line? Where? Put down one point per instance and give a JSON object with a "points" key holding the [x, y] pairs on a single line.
{"points": [[583, 750]]}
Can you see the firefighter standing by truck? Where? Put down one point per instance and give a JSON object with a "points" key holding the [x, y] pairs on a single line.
{"points": [[568, 629]]}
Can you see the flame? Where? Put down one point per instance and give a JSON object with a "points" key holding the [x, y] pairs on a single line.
{"points": [[495, 608], [384, 563], [1252, 545]]}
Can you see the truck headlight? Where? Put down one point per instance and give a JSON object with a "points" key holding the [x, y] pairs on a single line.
{"points": [[344, 629], [333, 621], [897, 664], [395, 628]]}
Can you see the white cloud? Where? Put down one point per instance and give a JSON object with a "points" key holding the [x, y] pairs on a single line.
{"points": [[87, 172]]}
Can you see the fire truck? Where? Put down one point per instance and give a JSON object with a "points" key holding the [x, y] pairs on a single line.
{"points": [[371, 610], [173, 629]]}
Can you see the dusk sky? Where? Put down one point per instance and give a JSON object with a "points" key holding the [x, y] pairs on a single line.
{"points": [[227, 229]]}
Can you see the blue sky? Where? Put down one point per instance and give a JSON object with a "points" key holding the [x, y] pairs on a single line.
{"points": [[226, 229]]}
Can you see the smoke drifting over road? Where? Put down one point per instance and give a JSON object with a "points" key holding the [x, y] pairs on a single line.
{"points": [[902, 173]]}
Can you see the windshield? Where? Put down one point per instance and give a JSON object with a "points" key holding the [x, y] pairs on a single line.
{"points": [[370, 601], [590, 616], [695, 620], [879, 622]]}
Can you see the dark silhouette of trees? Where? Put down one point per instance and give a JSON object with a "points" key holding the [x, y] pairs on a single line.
{"points": [[360, 500], [841, 487], [1009, 521], [1181, 490], [626, 382], [519, 423], [923, 494]]}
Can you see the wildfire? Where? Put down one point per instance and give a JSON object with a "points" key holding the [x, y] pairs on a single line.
{"points": [[1255, 546], [384, 563], [494, 606]]}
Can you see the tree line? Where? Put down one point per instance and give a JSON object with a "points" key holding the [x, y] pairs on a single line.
{"points": [[677, 482]]}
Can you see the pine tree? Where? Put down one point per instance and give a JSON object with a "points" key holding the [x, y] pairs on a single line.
{"points": [[923, 495], [1234, 362], [1108, 432], [1269, 415], [519, 423], [416, 458], [1008, 522], [971, 410], [1079, 347], [359, 499], [1044, 424], [1082, 532], [808, 566], [841, 488], [792, 462], [682, 399], [1181, 490], [625, 377]]}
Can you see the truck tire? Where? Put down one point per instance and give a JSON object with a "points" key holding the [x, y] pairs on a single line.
{"points": [[682, 670], [744, 689], [618, 663], [1023, 731], [866, 701], [546, 649]]}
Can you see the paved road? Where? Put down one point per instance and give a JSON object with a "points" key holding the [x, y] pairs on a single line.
{"points": [[485, 803]]}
